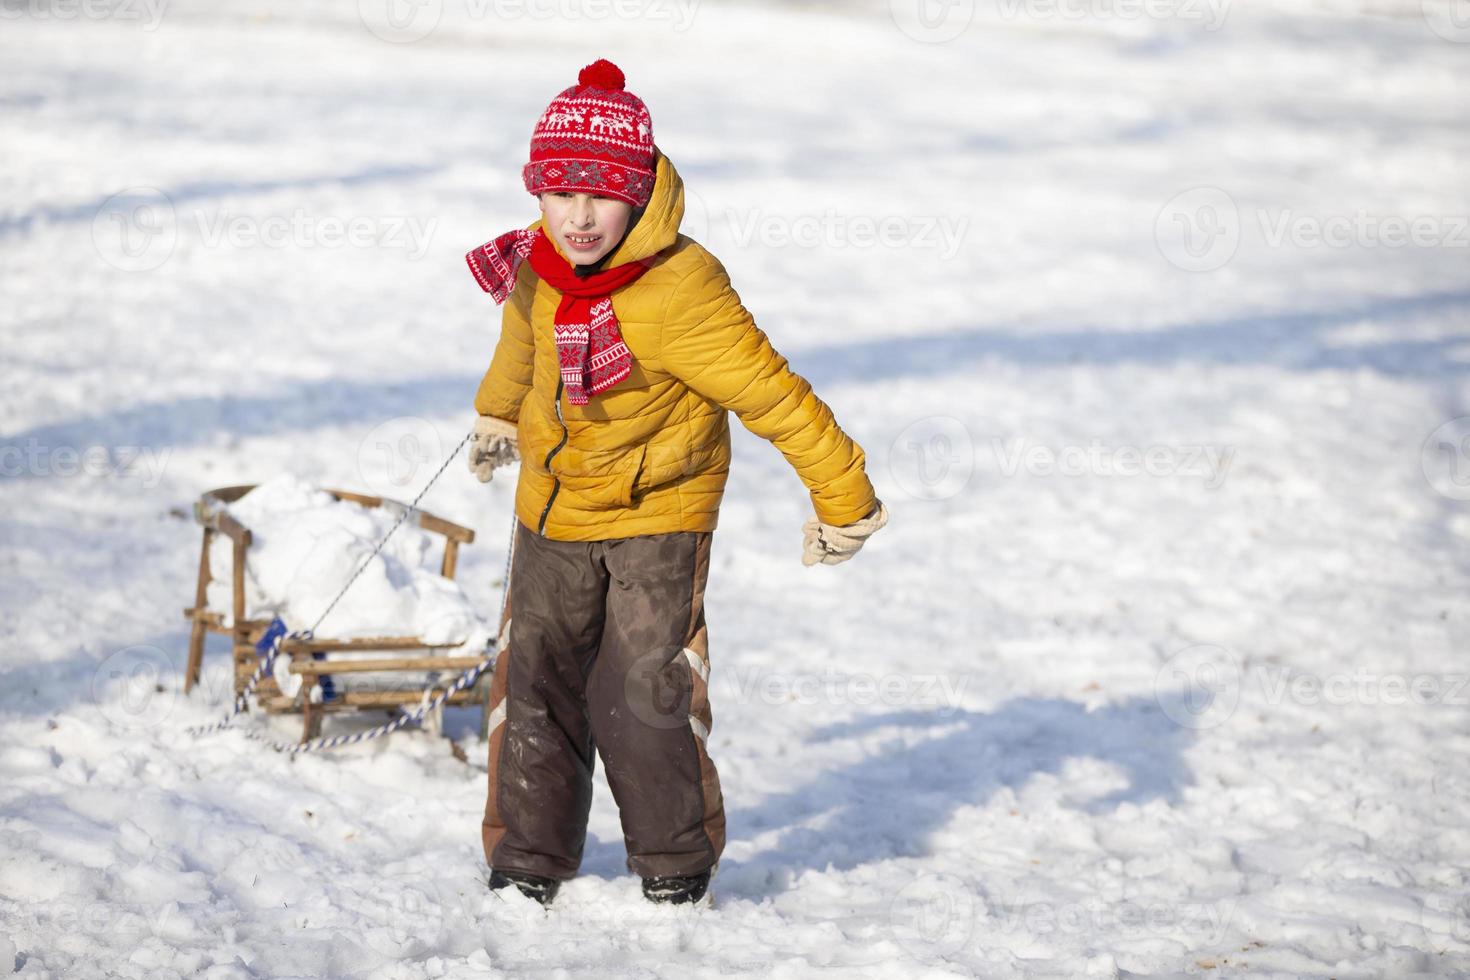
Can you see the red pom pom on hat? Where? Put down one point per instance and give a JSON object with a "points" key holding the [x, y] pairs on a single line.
{"points": [[602, 74]]}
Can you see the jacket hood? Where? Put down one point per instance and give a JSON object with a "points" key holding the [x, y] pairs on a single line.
{"points": [[658, 227]]}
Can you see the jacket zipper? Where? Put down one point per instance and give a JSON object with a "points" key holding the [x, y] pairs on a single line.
{"points": [[555, 482]]}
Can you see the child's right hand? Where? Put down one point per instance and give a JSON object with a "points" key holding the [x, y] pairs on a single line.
{"points": [[493, 444]]}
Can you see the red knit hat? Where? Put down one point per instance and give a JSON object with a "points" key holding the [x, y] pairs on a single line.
{"points": [[595, 137]]}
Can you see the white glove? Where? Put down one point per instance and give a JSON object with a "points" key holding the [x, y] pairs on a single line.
{"points": [[833, 545], [493, 444]]}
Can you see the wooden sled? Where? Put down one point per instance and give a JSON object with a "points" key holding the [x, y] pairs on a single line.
{"points": [[369, 654]]}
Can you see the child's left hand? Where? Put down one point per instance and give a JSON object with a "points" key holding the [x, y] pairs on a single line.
{"points": [[832, 545]]}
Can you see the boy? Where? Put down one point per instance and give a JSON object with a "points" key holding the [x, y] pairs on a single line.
{"points": [[623, 346]]}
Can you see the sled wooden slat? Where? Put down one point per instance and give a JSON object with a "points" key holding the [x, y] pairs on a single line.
{"points": [[352, 700], [203, 619], [447, 529], [364, 644], [388, 663], [246, 633], [382, 699], [451, 558], [199, 613]]}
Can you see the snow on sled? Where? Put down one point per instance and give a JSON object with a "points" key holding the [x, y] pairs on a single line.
{"points": [[403, 629]]}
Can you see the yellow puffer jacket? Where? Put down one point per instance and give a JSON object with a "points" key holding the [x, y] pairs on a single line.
{"points": [[652, 453]]}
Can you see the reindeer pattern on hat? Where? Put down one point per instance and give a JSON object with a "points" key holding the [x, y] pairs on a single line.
{"points": [[595, 118]]}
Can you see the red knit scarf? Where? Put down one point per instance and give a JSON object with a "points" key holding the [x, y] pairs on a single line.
{"points": [[589, 345]]}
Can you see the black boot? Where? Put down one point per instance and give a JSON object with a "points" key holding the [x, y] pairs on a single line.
{"points": [[541, 889], [677, 889]]}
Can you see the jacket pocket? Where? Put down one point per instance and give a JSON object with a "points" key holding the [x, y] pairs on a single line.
{"points": [[666, 464], [609, 488]]}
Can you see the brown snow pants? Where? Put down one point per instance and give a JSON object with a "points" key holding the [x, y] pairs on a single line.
{"points": [[607, 653]]}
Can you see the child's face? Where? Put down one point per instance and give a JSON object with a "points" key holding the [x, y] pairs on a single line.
{"points": [[586, 226]]}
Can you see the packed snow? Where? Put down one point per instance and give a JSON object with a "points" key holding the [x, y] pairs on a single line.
{"points": [[307, 546], [1153, 319]]}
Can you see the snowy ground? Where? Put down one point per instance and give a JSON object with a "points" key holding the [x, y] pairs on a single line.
{"points": [[1159, 669]]}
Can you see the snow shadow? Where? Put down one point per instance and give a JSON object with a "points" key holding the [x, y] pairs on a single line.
{"points": [[1296, 341], [224, 420], [924, 766], [191, 192], [1292, 341]]}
